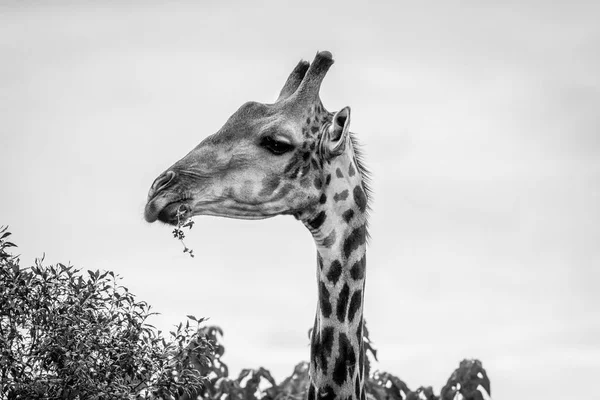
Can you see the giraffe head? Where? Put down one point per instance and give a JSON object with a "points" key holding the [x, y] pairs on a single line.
{"points": [[267, 160]]}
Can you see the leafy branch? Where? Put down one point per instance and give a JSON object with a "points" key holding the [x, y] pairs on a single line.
{"points": [[178, 231]]}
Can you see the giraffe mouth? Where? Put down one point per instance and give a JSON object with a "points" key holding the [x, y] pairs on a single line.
{"points": [[174, 213], [168, 211]]}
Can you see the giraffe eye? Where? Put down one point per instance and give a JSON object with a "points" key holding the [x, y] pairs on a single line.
{"points": [[275, 146]]}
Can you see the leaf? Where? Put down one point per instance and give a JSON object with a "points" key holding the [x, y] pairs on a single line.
{"points": [[192, 318]]}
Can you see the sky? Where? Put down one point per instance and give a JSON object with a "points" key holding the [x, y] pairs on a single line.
{"points": [[480, 122]]}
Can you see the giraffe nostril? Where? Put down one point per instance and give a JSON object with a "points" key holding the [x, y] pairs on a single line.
{"points": [[162, 181]]}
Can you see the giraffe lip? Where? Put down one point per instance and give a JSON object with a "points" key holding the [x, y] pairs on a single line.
{"points": [[165, 210], [169, 212]]}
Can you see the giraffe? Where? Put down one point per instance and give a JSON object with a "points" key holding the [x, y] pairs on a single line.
{"points": [[292, 157]]}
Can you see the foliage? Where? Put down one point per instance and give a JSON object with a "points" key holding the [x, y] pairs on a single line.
{"points": [[470, 380], [178, 231], [68, 334]]}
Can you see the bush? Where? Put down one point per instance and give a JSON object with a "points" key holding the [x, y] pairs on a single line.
{"points": [[68, 335]]}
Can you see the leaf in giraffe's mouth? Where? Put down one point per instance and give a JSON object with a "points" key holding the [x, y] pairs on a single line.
{"points": [[183, 222], [173, 212]]}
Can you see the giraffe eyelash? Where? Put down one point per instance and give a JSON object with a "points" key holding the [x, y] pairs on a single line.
{"points": [[275, 146]]}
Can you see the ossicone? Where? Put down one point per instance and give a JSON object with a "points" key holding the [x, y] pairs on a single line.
{"points": [[304, 82]]}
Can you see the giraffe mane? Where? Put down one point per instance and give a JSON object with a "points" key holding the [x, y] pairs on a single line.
{"points": [[365, 174]]}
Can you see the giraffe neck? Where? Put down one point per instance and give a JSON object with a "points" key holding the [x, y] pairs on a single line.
{"points": [[337, 350]]}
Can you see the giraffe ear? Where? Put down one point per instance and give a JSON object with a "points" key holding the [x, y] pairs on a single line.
{"points": [[338, 132]]}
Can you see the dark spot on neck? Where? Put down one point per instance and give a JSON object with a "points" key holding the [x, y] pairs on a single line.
{"points": [[360, 198], [340, 196], [326, 393], [361, 359], [351, 170], [345, 364], [355, 303], [342, 303], [358, 269], [324, 301], [359, 330], [323, 198], [354, 240], [338, 173], [311, 392], [315, 347], [335, 270], [348, 214], [325, 347], [328, 179]]}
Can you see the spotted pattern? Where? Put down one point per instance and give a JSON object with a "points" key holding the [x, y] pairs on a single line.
{"points": [[327, 393], [326, 308], [354, 240], [358, 269], [359, 198], [318, 182], [346, 361], [351, 170], [317, 221], [322, 348], [334, 272], [311, 392], [348, 214], [342, 303], [355, 303], [343, 195], [329, 240]]}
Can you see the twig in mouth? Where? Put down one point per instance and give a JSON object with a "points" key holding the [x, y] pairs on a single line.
{"points": [[178, 231]]}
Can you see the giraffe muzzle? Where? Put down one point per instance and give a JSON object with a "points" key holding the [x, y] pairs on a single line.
{"points": [[162, 204], [166, 210]]}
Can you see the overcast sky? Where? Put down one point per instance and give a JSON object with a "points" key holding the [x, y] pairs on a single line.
{"points": [[481, 124]]}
